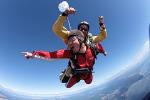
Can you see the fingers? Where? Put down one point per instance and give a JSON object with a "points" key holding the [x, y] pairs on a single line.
{"points": [[70, 10], [101, 22], [101, 18], [27, 54]]}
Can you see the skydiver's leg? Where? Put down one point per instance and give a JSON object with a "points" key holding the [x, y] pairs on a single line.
{"points": [[89, 79], [65, 75], [71, 82]]}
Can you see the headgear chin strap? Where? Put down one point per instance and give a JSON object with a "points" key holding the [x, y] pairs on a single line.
{"points": [[78, 34]]}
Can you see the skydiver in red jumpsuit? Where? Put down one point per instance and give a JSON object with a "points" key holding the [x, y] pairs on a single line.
{"points": [[81, 58]]}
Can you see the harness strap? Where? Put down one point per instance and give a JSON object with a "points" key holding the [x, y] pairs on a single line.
{"points": [[82, 70], [76, 70]]}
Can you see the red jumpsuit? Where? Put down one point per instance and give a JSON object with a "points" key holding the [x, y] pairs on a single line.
{"points": [[85, 60]]}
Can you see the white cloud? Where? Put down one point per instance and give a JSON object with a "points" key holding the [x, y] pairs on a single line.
{"points": [[143, 52], [139, 57]]}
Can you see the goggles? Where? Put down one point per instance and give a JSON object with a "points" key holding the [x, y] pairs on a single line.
{"points": [[83, 27]]}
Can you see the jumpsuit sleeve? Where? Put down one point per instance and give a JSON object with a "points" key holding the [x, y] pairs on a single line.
{"points": [[59, 29], [100, 48], [100, 37], [59, 54]]}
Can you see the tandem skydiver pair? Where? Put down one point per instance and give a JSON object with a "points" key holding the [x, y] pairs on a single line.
{"points": [[82, 49]]}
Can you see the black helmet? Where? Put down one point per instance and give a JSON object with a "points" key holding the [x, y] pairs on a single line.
{"points": [[84, 23]]}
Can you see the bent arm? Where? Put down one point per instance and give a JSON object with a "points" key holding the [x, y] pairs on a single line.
{"points": [[99, 38], [59, 29], [103, 33], [59, 54]]}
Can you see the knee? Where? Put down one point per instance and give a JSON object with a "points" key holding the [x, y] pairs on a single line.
{"points": [[88, 81], [68, 86]]}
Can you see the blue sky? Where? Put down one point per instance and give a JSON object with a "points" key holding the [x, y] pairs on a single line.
{"points": [[25, 25]]}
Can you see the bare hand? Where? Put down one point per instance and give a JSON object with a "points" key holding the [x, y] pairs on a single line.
{"points": [[101, 19], [28, 55], [101, 22], [70, 10]]}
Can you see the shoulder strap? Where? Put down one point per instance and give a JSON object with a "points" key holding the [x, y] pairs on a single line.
{"points": [[89, 39], [73, 61]]}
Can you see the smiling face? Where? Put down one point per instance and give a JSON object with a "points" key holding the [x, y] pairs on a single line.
{"points": [[84, 29], [73, 44], [76, 41]]}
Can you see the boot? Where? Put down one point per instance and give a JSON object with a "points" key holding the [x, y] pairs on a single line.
{"points": [[65, 75]]}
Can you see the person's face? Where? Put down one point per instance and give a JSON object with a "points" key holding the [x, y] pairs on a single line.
{"points": [[84, 29], [73, 44]]}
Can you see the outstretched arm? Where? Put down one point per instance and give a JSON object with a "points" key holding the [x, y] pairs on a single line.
{"points": [[103, 33], [59, 54]]}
